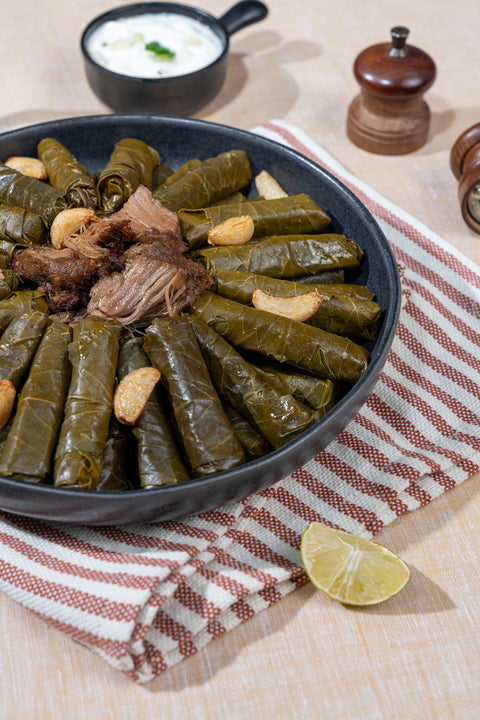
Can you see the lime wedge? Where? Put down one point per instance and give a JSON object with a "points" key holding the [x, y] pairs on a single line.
{"points": [[350, 569]]}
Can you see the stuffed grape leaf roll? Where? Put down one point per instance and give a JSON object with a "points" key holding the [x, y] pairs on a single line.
{"points": [[318, 393], [331, 277], [295, 214], [116, 460], [206, 435], [341, 314], [18, 345], [8, 250], [191, 164], [210, 181], [160, 175], [30, 445], [8, 282], [346, 315], [131, 164], [21, 226], [158, 455], [19, 190], [270, 409], [93, 354], [286, 341], [254, 444], [287, 256], [236, 197], [20, 302], [239, 286], [67, 174]]}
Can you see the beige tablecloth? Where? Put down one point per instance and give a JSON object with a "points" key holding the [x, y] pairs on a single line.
{"points": [[305, 657]]}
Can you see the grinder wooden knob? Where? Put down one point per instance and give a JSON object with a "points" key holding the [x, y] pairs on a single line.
{"points": [[465, 165], [390, 116]]}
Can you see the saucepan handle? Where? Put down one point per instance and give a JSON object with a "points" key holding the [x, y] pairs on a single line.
{"points": [[242, 14]]}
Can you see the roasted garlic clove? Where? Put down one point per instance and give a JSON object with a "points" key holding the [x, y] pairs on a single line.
{"points": [[7, 399], [67, 223], [33, 167], [268, 187], [299, 307], [132, 393], [234, 231]]}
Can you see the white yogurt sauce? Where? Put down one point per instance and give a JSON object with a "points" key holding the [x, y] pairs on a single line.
{"points": [[119, 45]]}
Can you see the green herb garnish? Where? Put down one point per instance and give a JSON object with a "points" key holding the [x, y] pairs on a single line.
{"points": [[161, 52]]}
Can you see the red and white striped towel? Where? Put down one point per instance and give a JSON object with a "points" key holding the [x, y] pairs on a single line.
{"points": [[146, 596]]}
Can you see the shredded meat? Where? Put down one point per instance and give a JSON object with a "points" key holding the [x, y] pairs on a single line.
{"points": [[105, 241], [64, 275], [154, 283], [67, 274], [145, 212], [130, 266]]}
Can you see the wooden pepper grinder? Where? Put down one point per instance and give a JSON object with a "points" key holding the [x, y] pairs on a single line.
{"points": [[465, 165], [389, 116]]}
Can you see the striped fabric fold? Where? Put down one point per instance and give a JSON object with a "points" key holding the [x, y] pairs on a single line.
{"points": [[145, 597]]}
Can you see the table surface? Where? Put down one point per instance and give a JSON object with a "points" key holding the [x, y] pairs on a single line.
{"points": [[306, 657]]}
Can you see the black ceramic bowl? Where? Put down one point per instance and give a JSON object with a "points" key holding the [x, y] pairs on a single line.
{"points": [[91, 140], [181, 95]]}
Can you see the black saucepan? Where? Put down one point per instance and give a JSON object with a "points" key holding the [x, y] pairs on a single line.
{"points": [[182, 95]]}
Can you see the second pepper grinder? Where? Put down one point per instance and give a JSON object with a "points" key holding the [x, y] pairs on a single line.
{"points": [[389, 116], [465, 165]]}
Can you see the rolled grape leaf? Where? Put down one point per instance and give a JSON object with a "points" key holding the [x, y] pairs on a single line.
{"points": [[18, 345], [288, 256], [8, 250], [212, 180], [325, 276], [67, 174], [88, 407], [239, 286], [350, 316], [335, 279], [20, 302], [18, 190], [21, 226], [236, 197], [342, 314], [254, 444], [191, 164], [8, 282], [4, 433], [131, 164], [287, 341], [318, 393], [267, 406], [207, 437], [158, 455], [29, 448], [116, 460], [160, 175], [295, 214]]}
